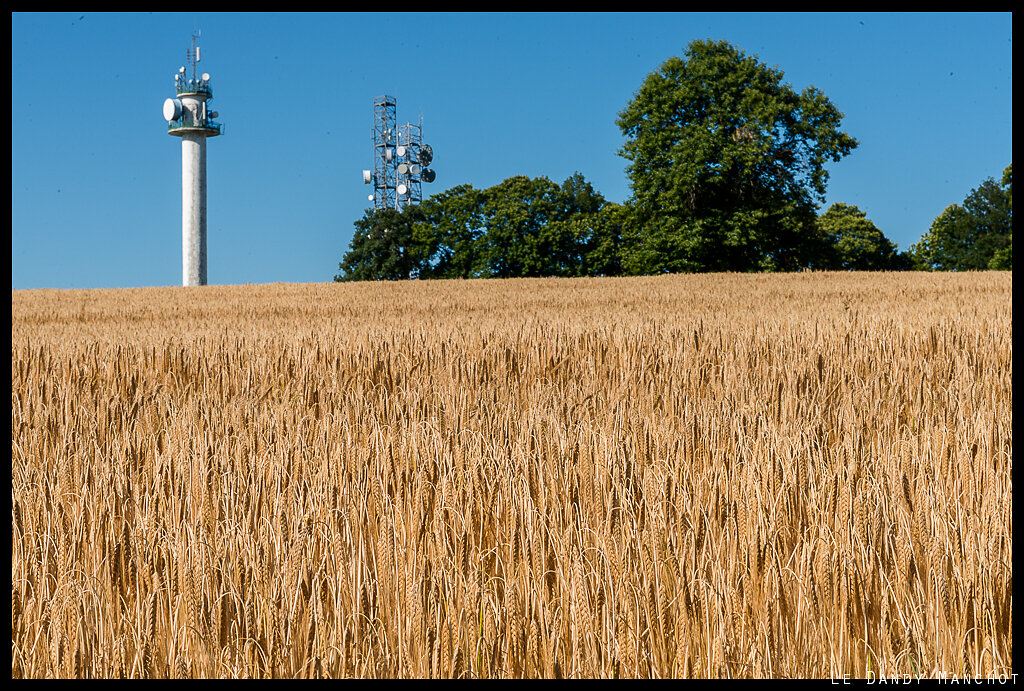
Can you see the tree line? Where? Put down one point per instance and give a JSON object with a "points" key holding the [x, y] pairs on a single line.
{"points": [[727, 169]]}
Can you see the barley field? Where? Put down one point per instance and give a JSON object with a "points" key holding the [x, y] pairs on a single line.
{"points": [[803, 475]]}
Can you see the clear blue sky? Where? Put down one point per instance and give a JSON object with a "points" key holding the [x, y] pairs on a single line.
{"points": [[96, 180]]}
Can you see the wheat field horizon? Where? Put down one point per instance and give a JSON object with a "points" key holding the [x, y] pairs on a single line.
{"points": [[724, 475]]}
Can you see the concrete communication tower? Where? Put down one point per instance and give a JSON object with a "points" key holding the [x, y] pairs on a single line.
{"points": [[399, 159], [189, 117]]}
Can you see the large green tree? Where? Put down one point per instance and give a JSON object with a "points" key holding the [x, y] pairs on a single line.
{"points": [[450, 233], [535, 227], [521, 237], [520, 227], [974, 235], [384, 247], [727, 165], [855, 243]]}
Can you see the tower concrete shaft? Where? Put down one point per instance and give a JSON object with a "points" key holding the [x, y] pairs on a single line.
{"points": [[193, 209]]}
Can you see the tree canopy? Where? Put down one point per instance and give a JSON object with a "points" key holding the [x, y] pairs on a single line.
{"points": [[854, 243], [382, 247], [521, 227], [450, 232], [974, 235], [727, 164]]}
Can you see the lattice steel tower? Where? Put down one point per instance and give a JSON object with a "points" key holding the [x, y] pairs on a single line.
{"points": [[384, 137], [399, 158]]}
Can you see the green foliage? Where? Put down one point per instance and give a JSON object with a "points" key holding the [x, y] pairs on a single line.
{"points": [[383, 247], [523, 236], [727, 164], [534, 227], [604, 229], [450, 232], [975, 235], [855, 243], [520, 227]]}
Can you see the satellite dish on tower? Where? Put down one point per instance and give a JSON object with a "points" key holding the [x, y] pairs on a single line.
{"points": [[402, 189], [172, 109], [401, 151], [427, 175], [403, 168], [426, 155], [206, 76]]}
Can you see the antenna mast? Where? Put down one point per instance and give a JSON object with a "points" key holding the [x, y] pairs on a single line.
{"points": [[192, 54], [400, 158]]}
